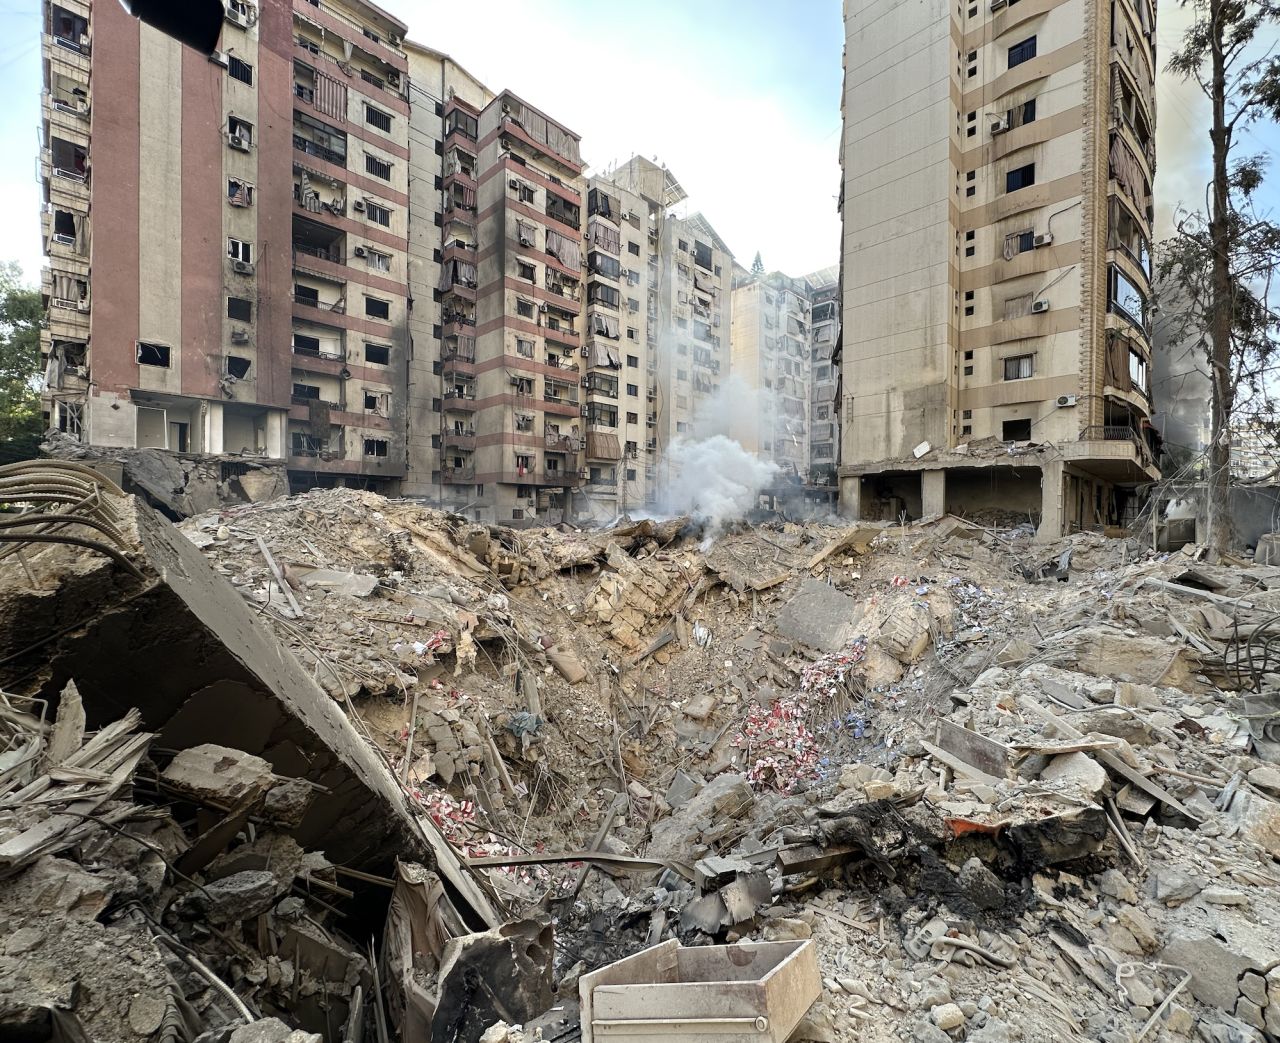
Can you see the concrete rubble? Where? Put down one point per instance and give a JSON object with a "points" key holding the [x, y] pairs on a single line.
{"points": [[342, 767]]}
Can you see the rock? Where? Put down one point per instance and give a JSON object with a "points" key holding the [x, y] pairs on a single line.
{"points": [[24, 939], [877, 790], [683, 788], [1172, 886], [1140, 926], [1267, 777], [1253, 986], [272, 1030], [236, 897], [1221, 896], [146, 1012], [1215, 969], [1258, 819], [1076, 773], [820, 616], [994, 1031], [787, 929], [1250, 1013], [947, 1016], [1179, 1021], [1115, 884], [927, 1032], [934, 991], [217, 774], [981, 885]]}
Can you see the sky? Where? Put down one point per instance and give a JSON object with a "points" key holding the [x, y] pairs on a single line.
{"points": [[739, 98]]}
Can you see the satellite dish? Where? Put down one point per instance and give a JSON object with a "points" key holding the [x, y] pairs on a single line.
{"points": [[195, 23]]}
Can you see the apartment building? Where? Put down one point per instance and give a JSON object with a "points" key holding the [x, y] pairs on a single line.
{"points": [[772, 354], [620, 253], [824, 377], [997, 212], [244, 291]]}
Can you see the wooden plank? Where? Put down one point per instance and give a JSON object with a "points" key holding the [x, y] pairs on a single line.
{"points": [[985, 754], [959, 766]]}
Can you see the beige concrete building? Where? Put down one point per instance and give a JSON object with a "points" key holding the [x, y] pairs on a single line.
{"points": [[997, 210], [771, 352], [244, 291], [824, 378]]}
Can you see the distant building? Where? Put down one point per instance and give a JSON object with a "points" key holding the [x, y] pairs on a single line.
{"points": [[824, 379], [1255, 453]]}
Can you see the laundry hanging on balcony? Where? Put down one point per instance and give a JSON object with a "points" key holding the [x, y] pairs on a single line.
{"points": [[604, 356], [606, 325], [457, 273]]}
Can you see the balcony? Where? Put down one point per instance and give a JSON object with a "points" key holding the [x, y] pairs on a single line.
{"points": [[463, 401], [562, 333], [460, 250], [463, 350], [319, 151], [465, 439], [557, 443], [457, 475], [1120, 433], [556, 395], [309, 301]]}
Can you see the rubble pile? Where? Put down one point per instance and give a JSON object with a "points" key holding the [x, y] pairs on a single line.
{"points": [[979, 788]]}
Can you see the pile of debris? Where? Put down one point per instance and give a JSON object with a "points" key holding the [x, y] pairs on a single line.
{"points": [[961, 785]]}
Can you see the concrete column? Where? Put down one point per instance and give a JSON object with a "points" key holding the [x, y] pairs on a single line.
{"points": [[277, 425], [1052, 515], [212, 424], [850, 505], [933, 493]]}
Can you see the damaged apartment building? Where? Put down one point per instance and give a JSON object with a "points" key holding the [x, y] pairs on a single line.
{"points": [[997, 264], [469, 317], [245, 291]]}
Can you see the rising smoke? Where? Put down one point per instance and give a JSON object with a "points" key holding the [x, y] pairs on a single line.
{"points": [[707, 474]]}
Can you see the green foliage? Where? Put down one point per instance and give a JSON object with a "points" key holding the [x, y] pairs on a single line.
{"points": [[21, 317]]}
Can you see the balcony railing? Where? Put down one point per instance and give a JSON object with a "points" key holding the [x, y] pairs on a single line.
{"points": [[319, 151], [314, 302], [460, 440], [1120, 433], [71, 45], [458, 474], [551, 395], [458, 353], [325, 253], [317, 353], [562, 443]]}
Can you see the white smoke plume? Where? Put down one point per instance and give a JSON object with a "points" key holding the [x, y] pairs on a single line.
{"points": [[707, 474]]}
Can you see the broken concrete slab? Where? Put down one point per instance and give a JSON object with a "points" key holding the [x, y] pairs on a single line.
{"points": [[820, 616], [217, 774]]}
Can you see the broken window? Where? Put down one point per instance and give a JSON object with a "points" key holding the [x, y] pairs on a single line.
{"points": [[376, 447], [378, 261], [240, 308], [377, 309], [1015, 430], [69, 159], [71, 419], [150, 354], [241, 129], [1019, 242], [378, 354], [524, 309], [237, 367], [306, 391], [239, 193], [239, 250], [526, 270]]}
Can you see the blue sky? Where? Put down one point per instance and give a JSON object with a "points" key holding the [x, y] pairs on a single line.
{"points": [[740, 98]]}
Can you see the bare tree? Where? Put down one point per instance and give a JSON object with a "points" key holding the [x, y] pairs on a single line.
{"points": [[1222, 263]]}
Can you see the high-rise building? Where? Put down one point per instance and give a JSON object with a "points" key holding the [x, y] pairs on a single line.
{"points": [[997, 210], [772, 355], [244, 288], [824, 381]]}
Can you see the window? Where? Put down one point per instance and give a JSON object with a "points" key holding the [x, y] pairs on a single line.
{"points": [[239, 193], [970, 249], [633, 362], [1138, 371], [377, 309], [631, 474], [370, 400], [377, 213], [1022, 52], [239, 250], [240, 308], [1020, 177], [377, 118], [526, 270], [633, 391], [633, 418], [632, 333], [597, 293], [682, 374], [1019, 367], [1017, 307], [682, 245], [378, 354], [524, 309], [524, 347], [633, 249], [307, 391], [968, 356], [71, 419], [306, 295], [527, 193], [237, 367], [1019, 242], [377, 167], [633, 304], [1127, 299], [241, 70], [603, 264], [1024, 113], [1015, 430], [376, 260], [153, 354], [376, 446]]}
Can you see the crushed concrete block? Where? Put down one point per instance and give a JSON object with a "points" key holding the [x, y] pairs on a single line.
{"points": [[1076, 773], [820, 616], [272, 1030], [1267, 777], [1258, 820], [1114, 884], [683, 788], [1221, 896], [216, 774], [1172, 886], [787, 929], [1215, 969], [1253, 986], [947, 1016], [146, 1012], [980, 885], [239, 896], [1139, 925]]}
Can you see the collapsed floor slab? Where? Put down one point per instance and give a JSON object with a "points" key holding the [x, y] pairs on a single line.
{"points": [[182, 647]]}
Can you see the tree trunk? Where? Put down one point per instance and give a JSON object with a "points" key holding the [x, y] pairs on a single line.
{"points": [[1222, 397]]}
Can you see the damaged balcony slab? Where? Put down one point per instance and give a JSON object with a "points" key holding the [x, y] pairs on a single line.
{"points": [[181, 647]]}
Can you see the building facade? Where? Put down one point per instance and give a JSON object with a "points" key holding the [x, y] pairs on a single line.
{"points": [[771, 352], [997, 213], [824, 380], [245, 291]]}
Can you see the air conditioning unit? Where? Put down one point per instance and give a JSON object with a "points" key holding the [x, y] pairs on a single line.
{"points": [[997, 4], [82, 305], [394, 40], [242, 267], [999, 124], [1040, 306], [237, 142], [1043, 240], [513, 183], [358, 206], [1066, 401], [239, 336], [218, 58], [586, 351], [359, 251], [235, 17]]}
